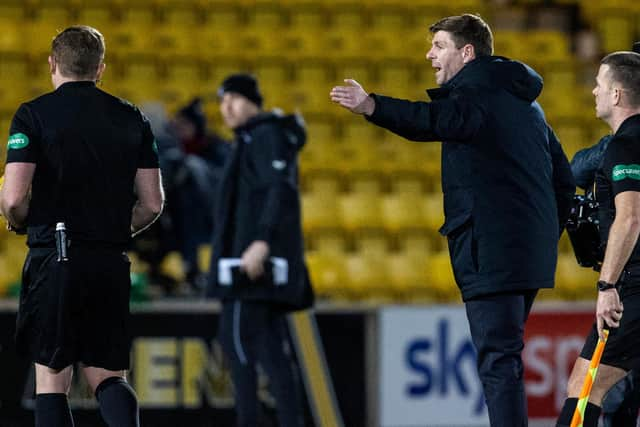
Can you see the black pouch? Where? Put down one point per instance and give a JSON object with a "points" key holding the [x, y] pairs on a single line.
{"points": [[582, 228]]}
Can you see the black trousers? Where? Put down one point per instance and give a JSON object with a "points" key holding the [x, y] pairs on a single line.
{"points": [[254, 333], [497, 329]]}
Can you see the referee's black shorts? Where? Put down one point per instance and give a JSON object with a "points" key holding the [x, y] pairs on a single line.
{"points": [[623, 345], [75, 311]]}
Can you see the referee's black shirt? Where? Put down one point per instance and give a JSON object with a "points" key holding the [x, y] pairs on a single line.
{"points": [[87, 146], [619, 171]]}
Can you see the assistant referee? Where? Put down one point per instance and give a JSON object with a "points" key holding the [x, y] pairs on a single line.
{"points": [[82, 176]]}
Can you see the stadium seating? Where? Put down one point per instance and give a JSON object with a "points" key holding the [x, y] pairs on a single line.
{"points": [[372, 202]]}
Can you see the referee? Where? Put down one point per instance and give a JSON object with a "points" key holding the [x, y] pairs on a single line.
{"points": [[81, 177], [617, 191]]}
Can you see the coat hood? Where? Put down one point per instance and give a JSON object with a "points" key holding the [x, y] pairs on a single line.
{"points": [[496, 72], [292, 124]]}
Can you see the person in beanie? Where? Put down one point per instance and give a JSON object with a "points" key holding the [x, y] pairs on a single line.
{"points": [[257, 221]]}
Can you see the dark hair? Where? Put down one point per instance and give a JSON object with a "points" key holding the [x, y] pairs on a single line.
{"points": [[625, 70], [467, 29], [78, 51], [194, 113]]}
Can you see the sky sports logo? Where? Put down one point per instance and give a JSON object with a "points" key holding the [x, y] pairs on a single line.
{"points": [[621, 172], [447, 375]]}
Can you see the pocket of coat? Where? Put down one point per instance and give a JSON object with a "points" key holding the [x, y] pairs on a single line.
{"points": [[463, 250]]}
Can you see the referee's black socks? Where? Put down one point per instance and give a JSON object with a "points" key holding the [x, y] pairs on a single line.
{"points": [[591, 413], [118, 403], [52, 410]]}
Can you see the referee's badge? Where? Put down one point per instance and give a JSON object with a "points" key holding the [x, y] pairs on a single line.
{"points": [[17, 141]]}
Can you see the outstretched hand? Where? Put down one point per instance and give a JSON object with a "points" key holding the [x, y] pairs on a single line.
{"points": [[353, 97]]}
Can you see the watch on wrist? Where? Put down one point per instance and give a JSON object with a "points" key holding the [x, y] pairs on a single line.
{"points": [[604, 286]]}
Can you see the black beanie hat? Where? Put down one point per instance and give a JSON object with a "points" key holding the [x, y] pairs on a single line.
{"points": [[243, 84]]}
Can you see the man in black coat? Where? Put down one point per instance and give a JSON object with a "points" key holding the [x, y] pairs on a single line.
{"points": [[506, 182], [258, 223]]}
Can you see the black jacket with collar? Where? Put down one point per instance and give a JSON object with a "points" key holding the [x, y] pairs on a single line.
{"points": [[505, 178], [258, 199]]}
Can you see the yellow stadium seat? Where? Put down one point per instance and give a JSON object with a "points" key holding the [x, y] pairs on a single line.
{"points": [[98, 16], [507, 43], [266, 16], [305, 45], [413, 159], [367, 277], [369, 182], [362, 156], [396, 78], [140, 82], [560, 76], [172, 266], [176, 43], [319, 212], [222, 67], [223, 16], [416, 243], [343, 43], [39, 46], [412, 185], [304, 17], [433, 211], [616, 29], [330, 241], [204, 257], [321, 132], [328, 275], [15, 37], [546, 46], [321, 157], [441, 277], [313, 72], [134, 41], [323, 183], [575, 282], [360, 132], [394, 17], [371, 243], [361, 70], [360, 212], [408, 277], [402, 212], [14, 83], [137, 15], [573, 135], [12, 38], [184, 16], [349, 14]]}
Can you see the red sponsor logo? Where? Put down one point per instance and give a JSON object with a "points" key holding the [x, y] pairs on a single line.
{"points": [[553, 340]]}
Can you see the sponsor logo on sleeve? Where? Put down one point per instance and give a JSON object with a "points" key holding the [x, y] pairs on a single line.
{"points": [[17, 141], [621, 172]]}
